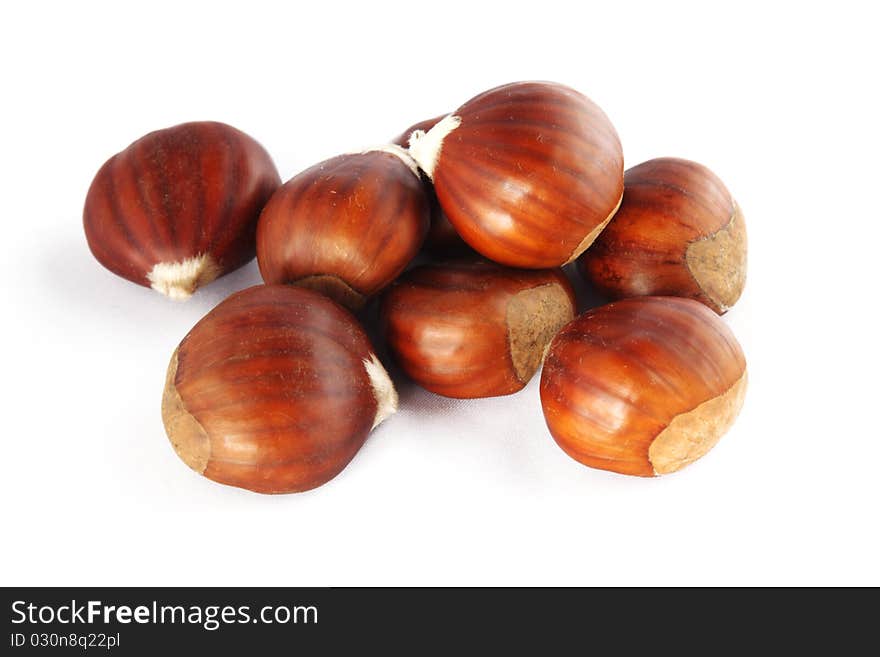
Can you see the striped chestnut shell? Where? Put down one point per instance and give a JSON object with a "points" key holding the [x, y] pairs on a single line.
{"points": [[346, 227], [274, 390], [528, 173], [642, 386], [678, 233], [471, 329], [179, 207]]}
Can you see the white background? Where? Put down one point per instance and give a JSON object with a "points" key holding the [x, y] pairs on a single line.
{"points": [[779, 100]]}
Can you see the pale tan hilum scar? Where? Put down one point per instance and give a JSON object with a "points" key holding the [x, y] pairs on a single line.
{"points": [[534, 316], [718, 262], [692, 434], [187, 436]]}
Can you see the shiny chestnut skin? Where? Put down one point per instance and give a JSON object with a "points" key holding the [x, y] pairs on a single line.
{"points": [[473, 328], [642, 386], [346, 227], [179, 206], [528, 173], [274, 390], [678, 232], [442, 238]]}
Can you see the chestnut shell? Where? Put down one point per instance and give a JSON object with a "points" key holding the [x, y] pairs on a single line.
{"points": [[642, 386], [273, 391], [192, 192], [346, 227], [470, 329], [678, 232], [531, 175]]}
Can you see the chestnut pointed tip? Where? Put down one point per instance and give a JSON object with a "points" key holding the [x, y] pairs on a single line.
{"points": [[178, 280], [398, 151], [383, 390], [425, 147]]}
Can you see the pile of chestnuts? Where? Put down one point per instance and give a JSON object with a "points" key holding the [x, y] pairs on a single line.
{"points": [[459, 228]]}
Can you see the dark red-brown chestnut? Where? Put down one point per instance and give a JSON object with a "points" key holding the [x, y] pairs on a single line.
{"points": [[473, 328], [528, 173], [179, 206], [642, 386], [274, 390], [442, 238], [346, 227], [678, 232]]}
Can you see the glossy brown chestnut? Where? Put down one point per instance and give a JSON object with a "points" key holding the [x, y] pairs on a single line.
{"points": [[678, 232], [442, 238], [643, 386], [179, 207], [274, 390], [474, 329], [528, 173], [346, 227]]}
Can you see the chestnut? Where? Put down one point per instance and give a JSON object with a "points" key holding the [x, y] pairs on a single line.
{"points": [[528, 173], [346, 227], [642, 386], [274, 390], [442, 238], [473, 328], [179, 206], [678, 232]]}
